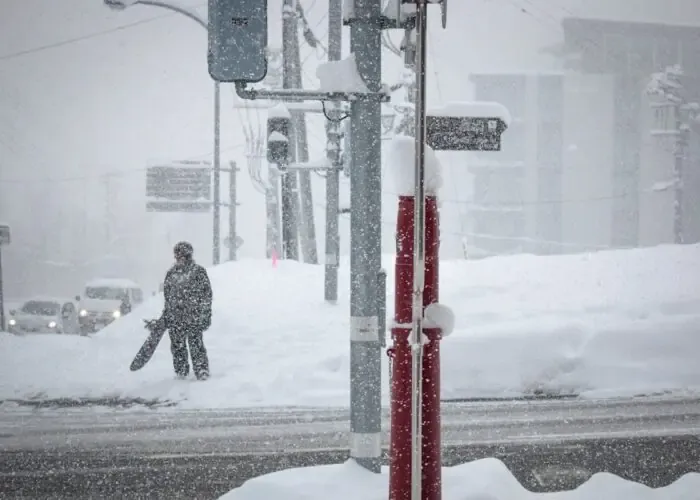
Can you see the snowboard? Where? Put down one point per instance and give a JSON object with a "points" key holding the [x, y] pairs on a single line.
{"points": [[157, 329]]}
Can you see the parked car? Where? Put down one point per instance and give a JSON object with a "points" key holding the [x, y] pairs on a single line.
{"points": [[45, 315]]}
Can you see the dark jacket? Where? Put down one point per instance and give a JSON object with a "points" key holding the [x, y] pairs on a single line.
{"points": [[188, 296]]}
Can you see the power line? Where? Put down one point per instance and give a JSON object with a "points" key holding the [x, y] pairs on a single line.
{"points": [[102, 175], [69, 41]]}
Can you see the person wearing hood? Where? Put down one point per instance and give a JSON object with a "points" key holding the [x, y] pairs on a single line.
{"points": [[187, 312]]}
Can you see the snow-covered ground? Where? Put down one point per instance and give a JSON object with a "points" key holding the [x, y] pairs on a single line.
{"points": [[487, 479], [603, 324]]}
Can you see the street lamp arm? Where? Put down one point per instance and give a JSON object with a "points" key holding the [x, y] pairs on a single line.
{"points": [[185, 11]]}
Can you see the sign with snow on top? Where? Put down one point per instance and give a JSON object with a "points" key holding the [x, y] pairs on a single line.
{"points": [[467, 126], [402, 160]]}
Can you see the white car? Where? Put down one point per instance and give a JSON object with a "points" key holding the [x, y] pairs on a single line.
{"points": [[103, 300], [45, 315]]}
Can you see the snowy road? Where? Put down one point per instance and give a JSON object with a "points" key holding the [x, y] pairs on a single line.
{"points": [[179, 454], [263, 431]]}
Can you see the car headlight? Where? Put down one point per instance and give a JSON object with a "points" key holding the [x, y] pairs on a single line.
{"points": [[116, 314], [83, 313], [13, 322], [52, 324]]}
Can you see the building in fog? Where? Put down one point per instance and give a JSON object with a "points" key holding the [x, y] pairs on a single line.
{"points": [[579, 163], [631, 52], [548, 191]]}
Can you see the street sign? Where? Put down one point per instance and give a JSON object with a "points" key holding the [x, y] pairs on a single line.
{"points": [[4, 234], [178, 206], [460, 133], [237, 40], [179, 187]]}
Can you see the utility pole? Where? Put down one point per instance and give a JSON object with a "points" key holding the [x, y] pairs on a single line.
{"points": [[407, 125], [233, 203], [679, 152], [272, 205], [290, 194], [216, 216], [334, 136], [301, 155], [365, 240]]}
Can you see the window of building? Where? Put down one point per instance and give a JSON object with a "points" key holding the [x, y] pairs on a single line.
{"points": [[691, 56], [616, 51], [640, 58], [666, 53]]}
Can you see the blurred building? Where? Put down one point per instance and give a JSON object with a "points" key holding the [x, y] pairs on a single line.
{"points": [[580, 169]]}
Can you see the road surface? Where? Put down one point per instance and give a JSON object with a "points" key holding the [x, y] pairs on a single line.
{"points": [[548, 445]]}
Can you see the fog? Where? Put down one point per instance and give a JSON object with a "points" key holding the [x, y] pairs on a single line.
{"points": [[90, 97]]}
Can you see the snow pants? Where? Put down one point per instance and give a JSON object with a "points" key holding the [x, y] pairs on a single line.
{"points": [[180, 338]]}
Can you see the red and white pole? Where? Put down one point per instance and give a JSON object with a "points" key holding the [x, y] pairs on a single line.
{"points": [[401, 381], [415, 468]]}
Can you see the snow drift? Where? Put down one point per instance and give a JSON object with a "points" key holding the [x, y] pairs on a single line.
{"points": [[615, 323]]}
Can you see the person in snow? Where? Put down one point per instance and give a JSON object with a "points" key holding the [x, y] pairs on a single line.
{"points": [[187, 312]]}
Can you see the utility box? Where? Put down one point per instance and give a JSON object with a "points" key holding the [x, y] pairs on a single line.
{"points": [[237, 40]]}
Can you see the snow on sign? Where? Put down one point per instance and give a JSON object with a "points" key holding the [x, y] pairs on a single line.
{"points": [[4, 234], [466, 126], [179, 187]]}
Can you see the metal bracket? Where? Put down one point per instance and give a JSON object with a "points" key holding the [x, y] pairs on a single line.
{"points": [[300, 95], [383, 22]]}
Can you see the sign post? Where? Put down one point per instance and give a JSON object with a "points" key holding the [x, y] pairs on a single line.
{"points": [[415, 384], [4, 240], [418, 256]]}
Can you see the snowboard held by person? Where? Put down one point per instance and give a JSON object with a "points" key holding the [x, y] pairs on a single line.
{"points": [[187, 312]]}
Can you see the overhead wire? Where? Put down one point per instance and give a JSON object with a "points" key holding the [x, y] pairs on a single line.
{"points": [[89, 36]]}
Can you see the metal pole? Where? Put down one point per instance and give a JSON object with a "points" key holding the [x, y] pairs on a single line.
{"points": [[679, 158], [365, 244], [307, 224], [233, 202], [216, 247], [418, 255], [290, 194], [335, 33], [2, 295], [272, 197]]}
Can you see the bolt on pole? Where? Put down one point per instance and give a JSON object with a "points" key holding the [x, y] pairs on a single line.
{"points": [[418, 255]]}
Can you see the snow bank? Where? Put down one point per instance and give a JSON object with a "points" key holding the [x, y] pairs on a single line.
{"points": [[615, 323], [341, 76], [487, 479], [402, 161], [473, 109]]}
